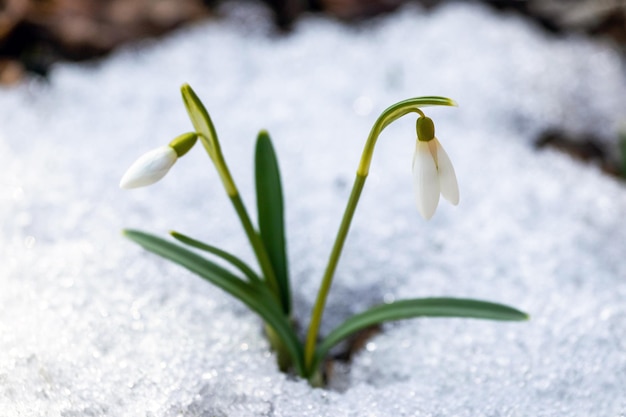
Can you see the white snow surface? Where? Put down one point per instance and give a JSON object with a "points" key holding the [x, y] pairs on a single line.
{"points": [[92, 325]]}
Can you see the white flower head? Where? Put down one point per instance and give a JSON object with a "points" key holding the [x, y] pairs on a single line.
{"points": [[433, 173], [149, 168]]}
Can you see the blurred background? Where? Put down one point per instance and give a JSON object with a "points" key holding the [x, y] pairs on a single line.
{"points": [[36, 34]]}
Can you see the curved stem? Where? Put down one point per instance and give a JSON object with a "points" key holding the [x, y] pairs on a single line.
{"points": [[391, 114], [388, 116]]}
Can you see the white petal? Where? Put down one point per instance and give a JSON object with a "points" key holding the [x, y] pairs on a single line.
{"points": [[447, 177], [425, 180], [149, 168]]}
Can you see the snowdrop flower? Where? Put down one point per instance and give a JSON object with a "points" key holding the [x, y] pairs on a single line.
{"points": [[149, 168], [433, 173], [153, 165]]}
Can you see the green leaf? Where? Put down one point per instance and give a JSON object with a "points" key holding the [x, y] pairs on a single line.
{"points": [[232, 259], [269, 196], [419, 307], [256, 296]]}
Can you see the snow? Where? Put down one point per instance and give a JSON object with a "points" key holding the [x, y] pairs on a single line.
{"points": [[91, 325]]}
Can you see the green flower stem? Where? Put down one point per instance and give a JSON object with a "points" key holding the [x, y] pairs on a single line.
{"points": [[257, 244], [318, 308], [388, 116], [391, 114], [283, 356], [214, 151], [208, 136], [258, 248]]}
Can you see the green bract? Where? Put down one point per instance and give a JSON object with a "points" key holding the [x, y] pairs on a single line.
{"points": [[267, 291], [183, 143]]}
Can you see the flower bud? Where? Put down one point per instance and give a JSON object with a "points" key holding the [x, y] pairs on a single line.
{"points": [[149, 168]]}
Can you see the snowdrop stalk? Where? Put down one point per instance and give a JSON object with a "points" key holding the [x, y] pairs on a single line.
{"points": [[387, 117], [208, 136]]}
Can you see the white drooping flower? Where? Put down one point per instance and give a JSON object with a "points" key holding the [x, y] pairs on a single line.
{"points": [[153, 166], [149, 168], [433, 173]]}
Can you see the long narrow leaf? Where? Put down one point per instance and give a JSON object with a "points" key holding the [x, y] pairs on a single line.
{"points": [[419, 307], [232, 259], [256, 297], [269, 197]]}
